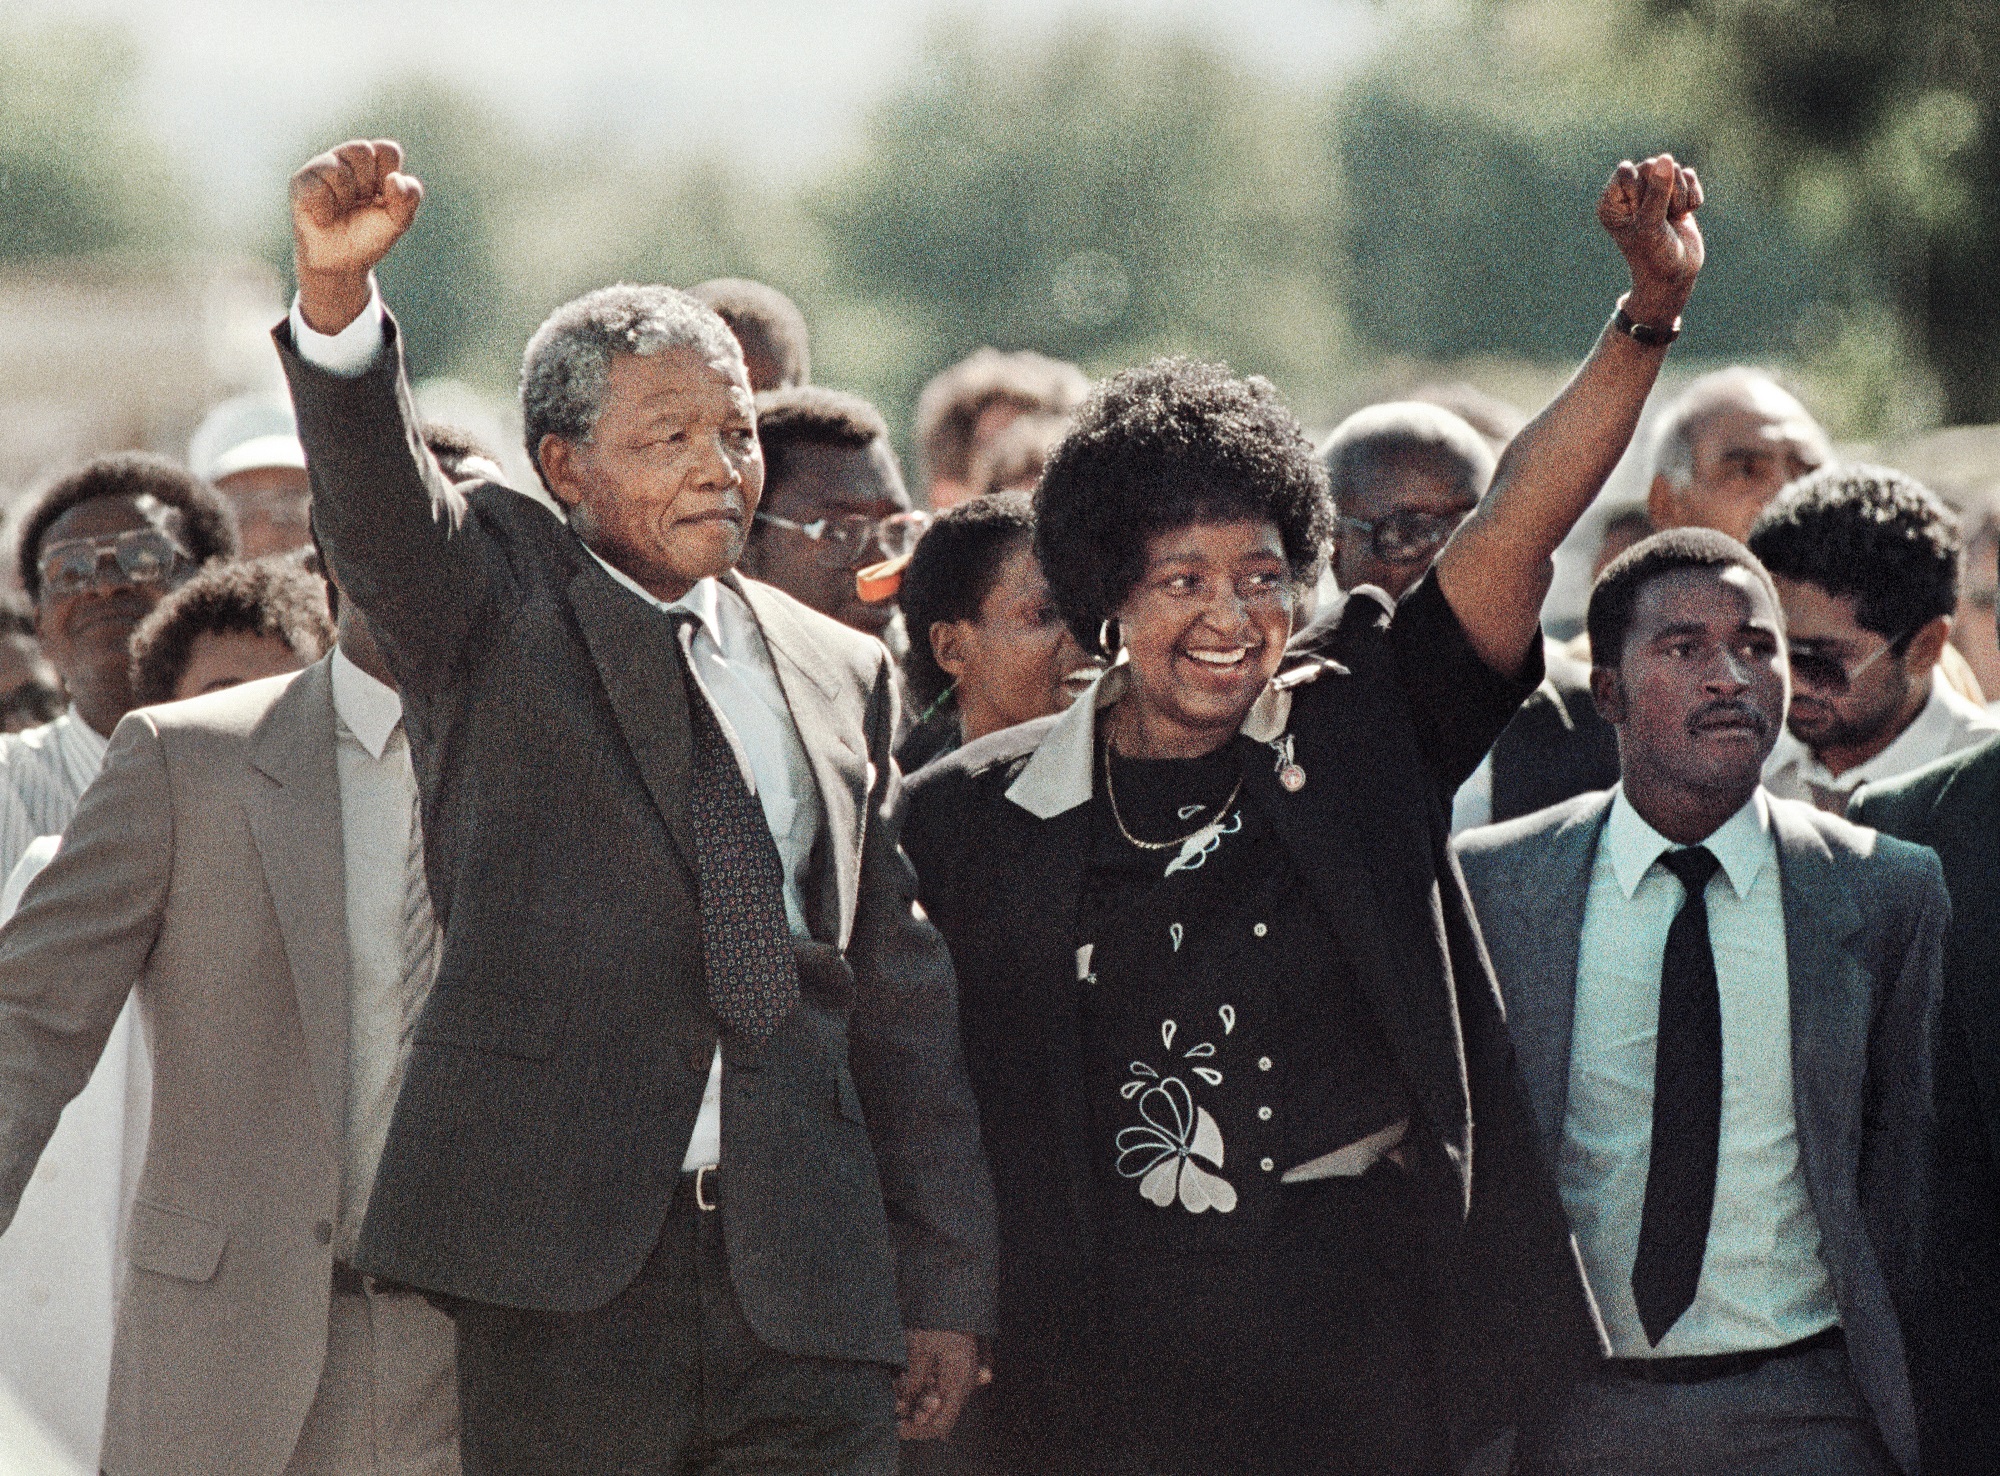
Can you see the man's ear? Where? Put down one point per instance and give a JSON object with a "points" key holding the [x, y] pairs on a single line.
{"points": [[1607, 691], [1662, 505], [556, 459], [948, 638], [1926, 646]]}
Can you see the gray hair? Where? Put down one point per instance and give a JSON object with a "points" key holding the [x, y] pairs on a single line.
{"points": [[567, 363], [1721, 389], [1370, 438]]}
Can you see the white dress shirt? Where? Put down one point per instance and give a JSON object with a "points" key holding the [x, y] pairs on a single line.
{"points": [[1763, 1282], [1947, 722], [43, 773], [377, 796], [727, 655], [62, 1260]]}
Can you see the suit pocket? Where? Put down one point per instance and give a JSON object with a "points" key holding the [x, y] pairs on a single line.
{"points": [[174, 1243], [505, 1024]]}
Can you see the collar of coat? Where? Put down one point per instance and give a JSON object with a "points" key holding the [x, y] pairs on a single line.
{"points": [[1058, 775]]}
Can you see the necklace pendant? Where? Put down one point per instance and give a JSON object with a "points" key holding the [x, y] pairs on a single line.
{"points": [[1292, 777]]}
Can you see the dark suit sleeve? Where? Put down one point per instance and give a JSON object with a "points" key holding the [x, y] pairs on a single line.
{"points": [[1901, 1111], [396, 532], [78, 945], [909, 1068], [1459, 703]]}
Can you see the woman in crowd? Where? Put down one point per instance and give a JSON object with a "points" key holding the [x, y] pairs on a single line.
{"points": [[987, 649], [1270, 1199]]}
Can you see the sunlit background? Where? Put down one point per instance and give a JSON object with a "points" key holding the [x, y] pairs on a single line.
{"points": [[1349, 198]]}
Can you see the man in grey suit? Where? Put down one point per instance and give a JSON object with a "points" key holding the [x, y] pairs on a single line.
{"points": [[686, 1138], [1722, 1004], [243, 863]]}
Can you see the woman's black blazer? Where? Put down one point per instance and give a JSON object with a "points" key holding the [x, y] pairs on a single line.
{"points": [[1394, 713]]}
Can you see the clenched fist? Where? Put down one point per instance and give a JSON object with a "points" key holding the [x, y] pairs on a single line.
{"points": [[349, 206], [1648, 209]]}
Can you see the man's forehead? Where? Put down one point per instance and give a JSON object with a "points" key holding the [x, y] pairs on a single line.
{"points": [[1768, 421], [1714, 595], [113, 512], [828, 473], [1401, 480]]}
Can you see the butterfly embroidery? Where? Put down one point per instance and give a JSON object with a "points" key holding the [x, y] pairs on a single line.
{"points": [[1177, 1145], [1197, 848]]}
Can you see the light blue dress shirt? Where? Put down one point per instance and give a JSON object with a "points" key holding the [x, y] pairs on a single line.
{"points": [[1763, 1281]]}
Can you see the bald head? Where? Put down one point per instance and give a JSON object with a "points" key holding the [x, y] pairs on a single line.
{"points": [[1725, 447], [1403, 476]]}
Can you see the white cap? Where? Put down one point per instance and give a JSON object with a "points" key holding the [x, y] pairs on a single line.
{"points": [[256, 454], [228, 430]]}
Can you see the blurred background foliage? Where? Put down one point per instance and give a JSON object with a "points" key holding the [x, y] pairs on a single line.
{"points": [[1110, 192]]}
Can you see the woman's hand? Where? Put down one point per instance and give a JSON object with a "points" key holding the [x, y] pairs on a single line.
{"points": [[1648, 210]]}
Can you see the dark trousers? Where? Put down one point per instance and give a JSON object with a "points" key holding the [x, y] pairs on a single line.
{"points": [[665, 1379], [1794, 1416]]}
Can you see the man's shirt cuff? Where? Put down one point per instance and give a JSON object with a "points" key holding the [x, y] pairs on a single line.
{"points": [[352, 351]]}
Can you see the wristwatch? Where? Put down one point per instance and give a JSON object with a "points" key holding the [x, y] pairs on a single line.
{"points": [[1646, 333]]}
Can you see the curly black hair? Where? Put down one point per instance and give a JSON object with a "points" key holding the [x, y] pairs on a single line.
{"points": [[1869, 534], [264, 597], [952, 573], [1159, 447], [1616, 593], [207, 526]]}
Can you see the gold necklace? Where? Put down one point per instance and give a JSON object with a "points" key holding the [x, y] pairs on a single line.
{"points": [[1166, 845]]}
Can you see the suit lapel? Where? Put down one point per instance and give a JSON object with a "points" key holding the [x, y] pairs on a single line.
{"points": [[1831, 1005], [1541, 1009], [633, 645], [295, 823], [828, 734]]}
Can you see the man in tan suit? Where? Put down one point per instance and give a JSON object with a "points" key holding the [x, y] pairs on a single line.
{"points": [[247, 861]]}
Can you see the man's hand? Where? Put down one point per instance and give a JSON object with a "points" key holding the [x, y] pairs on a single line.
{"points": [[944, 1367], [349, 206], [1648, 208]]}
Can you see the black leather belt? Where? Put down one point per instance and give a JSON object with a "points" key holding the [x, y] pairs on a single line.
{"points": [[1701, 1368], [699, 1192]]}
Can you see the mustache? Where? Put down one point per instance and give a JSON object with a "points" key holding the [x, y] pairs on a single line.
{"points": [[1725, 707]]}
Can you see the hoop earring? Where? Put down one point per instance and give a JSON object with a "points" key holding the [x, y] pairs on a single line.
{"points": [[1105, 643]]}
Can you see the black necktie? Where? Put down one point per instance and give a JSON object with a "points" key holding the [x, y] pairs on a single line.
{"points": [[1687, 1109], [746, 941]]}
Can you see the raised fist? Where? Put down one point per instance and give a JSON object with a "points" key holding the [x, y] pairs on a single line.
{"points": [[1648, 209], [349, 206]]}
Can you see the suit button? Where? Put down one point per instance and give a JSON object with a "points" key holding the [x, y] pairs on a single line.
{"points": [[323, 1232]]}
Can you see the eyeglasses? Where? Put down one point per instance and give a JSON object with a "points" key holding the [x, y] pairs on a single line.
{"points": [[1404, 537], [857, 535], [1828, 673], [139, 556]]}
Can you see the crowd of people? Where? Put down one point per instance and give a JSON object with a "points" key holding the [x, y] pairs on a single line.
{"points": [[1139, 959]]}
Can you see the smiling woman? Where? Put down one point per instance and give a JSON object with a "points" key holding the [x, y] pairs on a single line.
{"points": [[1223, 1001]]}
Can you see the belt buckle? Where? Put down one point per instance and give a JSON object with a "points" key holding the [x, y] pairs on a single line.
{"points": [[703, 1176]]}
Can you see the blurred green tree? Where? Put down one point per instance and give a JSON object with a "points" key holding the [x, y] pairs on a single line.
{"points": [[444, 280], [78, 174], [1880, 121], [1101, 196]]}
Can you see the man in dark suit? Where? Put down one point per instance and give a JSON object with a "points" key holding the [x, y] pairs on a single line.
{"points": [[1722, 1004], [686, 1136], [1953, 806]]}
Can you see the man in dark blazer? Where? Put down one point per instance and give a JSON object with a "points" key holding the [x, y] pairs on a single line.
{"points": [[686, 1137], [1953, 806], [1722, 1004]]}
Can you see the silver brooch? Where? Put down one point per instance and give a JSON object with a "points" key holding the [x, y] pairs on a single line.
{"points": [[1290, 775]]}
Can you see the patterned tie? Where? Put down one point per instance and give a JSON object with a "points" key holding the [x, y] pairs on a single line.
{"points": [[746, 941], [1687, 1109], [419, 926]]}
